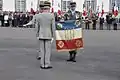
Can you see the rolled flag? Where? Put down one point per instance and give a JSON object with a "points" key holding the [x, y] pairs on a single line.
{"points": [[31, 10], [52, 10], [115, 11], [113, 7], [84, 11], [90, 12], [97, 13], [59, 12], [102, 12]]}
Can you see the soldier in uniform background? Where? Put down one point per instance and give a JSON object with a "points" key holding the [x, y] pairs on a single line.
{"points": [[45, 27], [109, 21], [87, 23], [101, 22], [72, 13], [115, 21], [94, 20]]}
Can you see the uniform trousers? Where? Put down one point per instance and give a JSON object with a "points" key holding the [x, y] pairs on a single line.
{"points": [[108, 26], [38, 48], [101, 26], [45, 52]]}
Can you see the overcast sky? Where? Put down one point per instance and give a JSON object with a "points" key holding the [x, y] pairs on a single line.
{"points": [[9, 4]]}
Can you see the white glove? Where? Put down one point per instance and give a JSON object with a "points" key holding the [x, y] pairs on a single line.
{"points": [[37, 35], [52, 40], [24, 25], [38, 38]]}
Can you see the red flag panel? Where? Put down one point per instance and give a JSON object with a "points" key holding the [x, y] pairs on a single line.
{"points": [[68, 45]]}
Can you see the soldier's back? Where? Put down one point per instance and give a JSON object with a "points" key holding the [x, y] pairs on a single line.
{"points": [[45, 25]]}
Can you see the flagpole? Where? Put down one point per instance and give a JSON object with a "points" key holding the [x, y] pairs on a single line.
{"points": [[61, 5], [31, 4], [102, 9], [102, 5]]}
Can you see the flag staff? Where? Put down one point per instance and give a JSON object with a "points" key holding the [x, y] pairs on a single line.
{"points": [[61, 5]]}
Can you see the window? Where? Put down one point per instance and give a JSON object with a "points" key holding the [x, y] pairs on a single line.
{"points": [[64, 5]]}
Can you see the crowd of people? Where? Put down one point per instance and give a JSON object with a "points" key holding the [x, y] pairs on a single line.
{"points": [[109, 22], [18, 19], [14, 19]]}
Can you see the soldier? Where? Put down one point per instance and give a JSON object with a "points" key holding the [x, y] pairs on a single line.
{"points": [[101, 22], [114, 23], [72, 16], [94, 20], [109, 21], [87, 23], [45, 26]]}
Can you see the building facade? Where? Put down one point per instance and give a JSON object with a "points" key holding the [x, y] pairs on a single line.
{"points": [[62, 5], [65, 5], [20, 5], [111, 4], [94, 5], [55, 4], [90, 4], [38, 3], [87, 4], [1, 5]]}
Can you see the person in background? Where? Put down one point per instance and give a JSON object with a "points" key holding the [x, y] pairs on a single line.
{"points": [[87, 23], [15, 20], [101, 22], [109, 21], [1, 19], [6, 20], [10, 19], [94, 20], [114, 23]]}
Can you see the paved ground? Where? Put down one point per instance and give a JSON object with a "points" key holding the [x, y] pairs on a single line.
{"points": [[100, 59]]}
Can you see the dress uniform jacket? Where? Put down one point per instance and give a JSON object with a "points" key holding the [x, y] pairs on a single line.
{"points": [[44, 25]]}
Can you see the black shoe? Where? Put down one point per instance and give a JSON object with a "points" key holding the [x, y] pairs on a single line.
{"points": [[49, 67], [73, 60], [69, 60], [38, 58]]}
